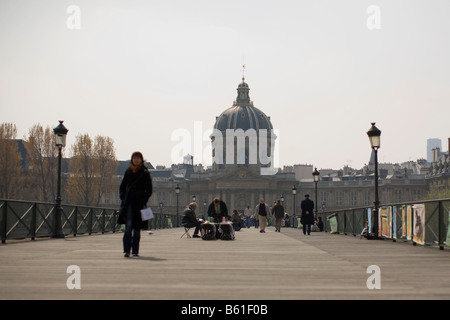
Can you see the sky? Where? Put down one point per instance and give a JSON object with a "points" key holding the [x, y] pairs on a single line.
{"points": [[139, 71]]}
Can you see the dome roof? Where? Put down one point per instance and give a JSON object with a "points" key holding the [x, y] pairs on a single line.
{"points": [[243, 115]]}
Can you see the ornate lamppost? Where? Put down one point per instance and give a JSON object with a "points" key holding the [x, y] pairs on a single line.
{"points": [[316, 180], [161, 207], [60, 141], [374, 136], [204, 210], [177, 192], [294, 192]]}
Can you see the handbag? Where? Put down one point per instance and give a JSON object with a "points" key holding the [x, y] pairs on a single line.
{"points": [[147, 214]]}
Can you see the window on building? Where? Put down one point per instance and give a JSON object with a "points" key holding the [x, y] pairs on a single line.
{"points": [[367, 198], [397, 195], [353, 198], [339, 198]]}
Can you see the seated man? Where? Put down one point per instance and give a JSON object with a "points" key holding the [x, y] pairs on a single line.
{"points": [[236, 220], [189, 219]]}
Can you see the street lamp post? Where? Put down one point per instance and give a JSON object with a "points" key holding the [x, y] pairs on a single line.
{"points": [[161, 206], [204, 210], [374, 136], [177, 192], [294, 192], [60, 141], [316, 180]]}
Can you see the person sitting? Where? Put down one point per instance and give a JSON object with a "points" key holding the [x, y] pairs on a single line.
{"points": [[190, 220], [218, 210], [320, 223], [236, 220]]}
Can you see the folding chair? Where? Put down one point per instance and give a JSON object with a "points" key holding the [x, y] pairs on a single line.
{"points": [[186, 232]]}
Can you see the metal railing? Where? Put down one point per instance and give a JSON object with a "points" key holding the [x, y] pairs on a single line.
{"points": [[23, 219], [422, 222]]}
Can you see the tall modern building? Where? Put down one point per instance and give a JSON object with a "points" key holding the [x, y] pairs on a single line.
{"points": [[432, 144]]}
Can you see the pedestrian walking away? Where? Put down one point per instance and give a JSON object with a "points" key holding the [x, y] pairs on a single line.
{"points": [[307, 218], [134, 191]]}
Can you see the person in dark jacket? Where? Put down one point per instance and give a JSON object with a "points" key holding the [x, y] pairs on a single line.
{"points": [[320, 223], [135, 190], [217, 210], [307, 218], [278, 212], [190, 220]]}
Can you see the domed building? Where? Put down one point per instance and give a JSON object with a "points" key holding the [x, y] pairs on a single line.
{"points": [[242, 171], [243, 135]]}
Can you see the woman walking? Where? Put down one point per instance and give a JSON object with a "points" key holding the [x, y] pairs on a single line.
{"points": [[135, 190]]}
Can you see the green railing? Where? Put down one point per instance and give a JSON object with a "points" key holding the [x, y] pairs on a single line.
{"points": [[424, 222], [22, 220]]}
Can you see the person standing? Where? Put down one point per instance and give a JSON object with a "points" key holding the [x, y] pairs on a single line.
{"points": [[278, 212], [307, 218], [262, 211], [135, 190], [248, 213]]}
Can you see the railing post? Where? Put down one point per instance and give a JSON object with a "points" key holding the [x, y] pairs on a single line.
{"points": [[103, 221], [353, 224], [90, 221], [75, 230], [3, 221], [345, 222], [440, 224], [412, 225], [33, 221], [114, 221]]}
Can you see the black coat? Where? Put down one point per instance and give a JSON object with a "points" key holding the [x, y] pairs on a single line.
{"points": [[135, 190], [278, 211], [307, 205], [223, 211], [189, 218]]}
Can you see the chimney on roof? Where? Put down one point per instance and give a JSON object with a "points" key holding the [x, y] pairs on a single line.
{"points": [[435, 154]]}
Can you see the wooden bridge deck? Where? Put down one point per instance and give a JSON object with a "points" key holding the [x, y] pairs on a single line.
{"points": [[255, 266]]}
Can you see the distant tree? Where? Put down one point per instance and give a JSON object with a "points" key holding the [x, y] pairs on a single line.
{"points": [[106, 163], [42, 156], [92, 167], [10, 162]]}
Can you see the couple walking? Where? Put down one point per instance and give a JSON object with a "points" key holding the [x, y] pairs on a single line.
{"points": [[263, 212]]}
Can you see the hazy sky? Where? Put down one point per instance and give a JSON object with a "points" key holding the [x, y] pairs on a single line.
{"points": [[138, 71]]}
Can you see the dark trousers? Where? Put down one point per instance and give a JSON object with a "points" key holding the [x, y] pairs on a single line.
{"points": [[197, 226], [131, 236], [304, 228]]}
